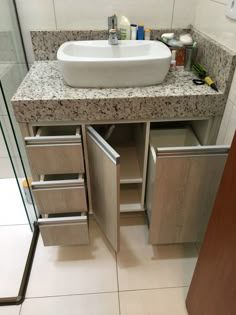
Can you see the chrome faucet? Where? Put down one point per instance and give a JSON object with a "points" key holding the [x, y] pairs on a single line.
{"points": [[113, 39], [112, 29], [112, 22]]}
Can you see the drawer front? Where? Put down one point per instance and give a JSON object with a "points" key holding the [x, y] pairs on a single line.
{"points": [[60, 200], [55, 158], [64, 231], [185, 187]]}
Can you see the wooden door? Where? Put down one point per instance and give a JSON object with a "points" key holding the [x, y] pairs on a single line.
{"points": [[213, 287], [104, 169]]}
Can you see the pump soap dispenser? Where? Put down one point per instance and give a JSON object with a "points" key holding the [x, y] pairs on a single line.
{"points": [[124, 28]]}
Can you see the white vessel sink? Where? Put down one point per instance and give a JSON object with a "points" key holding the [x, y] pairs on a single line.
{"points": [[95, 64]]}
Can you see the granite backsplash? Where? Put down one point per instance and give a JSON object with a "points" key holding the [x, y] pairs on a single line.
{"points": [[219, 60]]}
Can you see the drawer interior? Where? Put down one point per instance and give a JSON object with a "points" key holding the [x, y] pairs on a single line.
{"points": [[178, 137], [54, 131], [66, 217], [181, 133], [61, 177]]}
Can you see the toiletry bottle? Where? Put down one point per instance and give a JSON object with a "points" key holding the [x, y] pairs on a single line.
{"points": [[147, 35], [124, 28], [140, 32], [173, 61], [133, 31]]}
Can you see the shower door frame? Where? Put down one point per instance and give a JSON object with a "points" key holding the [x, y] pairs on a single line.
{"points": [[19, 299]]}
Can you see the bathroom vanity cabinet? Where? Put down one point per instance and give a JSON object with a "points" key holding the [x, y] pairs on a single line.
{"points": [[102, 152], [170, 169]]}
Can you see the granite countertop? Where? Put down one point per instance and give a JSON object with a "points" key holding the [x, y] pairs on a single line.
{"points": [[43, 96]]}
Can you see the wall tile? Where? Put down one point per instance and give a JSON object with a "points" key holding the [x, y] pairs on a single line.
{"points": [[152, 13], [35, 15], [224, 123], [231, 128], [184, 13], [220, 1], [72, 14], [210, 18], [232, 93]]}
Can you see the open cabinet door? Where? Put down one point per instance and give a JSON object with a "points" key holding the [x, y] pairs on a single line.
{"points": [[104, 167]]}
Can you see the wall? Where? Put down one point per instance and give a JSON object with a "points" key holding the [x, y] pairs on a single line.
{"points": [[91, 14], [210, 18], [228, 125]]}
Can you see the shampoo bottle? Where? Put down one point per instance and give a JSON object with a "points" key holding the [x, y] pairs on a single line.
{"points": [[173, 61], [124, 28]]}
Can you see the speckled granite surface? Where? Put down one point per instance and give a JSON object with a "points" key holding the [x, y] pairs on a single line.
{"points": [[43, 96], [218, 59], [46, 43]]}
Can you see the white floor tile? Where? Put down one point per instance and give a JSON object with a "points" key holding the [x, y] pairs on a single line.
{"points": [[143, 266], [154, 302], [14, 244], [12, 209], [10, 310], [74, 269], [93, 304]]}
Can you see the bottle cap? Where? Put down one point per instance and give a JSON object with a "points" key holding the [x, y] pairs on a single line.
{"points": [[134, 25], [140, 24], [173, 54], [147, 30]]}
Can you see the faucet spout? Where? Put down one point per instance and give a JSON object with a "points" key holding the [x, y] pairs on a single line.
{"points": [[113, 39], [112, 22]]}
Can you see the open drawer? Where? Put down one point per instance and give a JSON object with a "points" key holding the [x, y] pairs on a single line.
{"points": [[55, 150], [183, 179], [60, 231], [65, 193]]}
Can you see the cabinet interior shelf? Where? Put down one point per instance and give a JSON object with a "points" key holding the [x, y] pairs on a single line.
{"points": [[129, 165], [130, 198]]}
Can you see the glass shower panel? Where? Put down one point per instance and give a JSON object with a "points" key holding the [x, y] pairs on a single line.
{"points": [[15, 230], [18, 234]]}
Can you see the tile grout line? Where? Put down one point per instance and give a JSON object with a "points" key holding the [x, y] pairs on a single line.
{"points": [[218, 2], [54, 10], [172, 16], [17, 224], [67, 295], [150, 289], [118, 287], [104, 292]]}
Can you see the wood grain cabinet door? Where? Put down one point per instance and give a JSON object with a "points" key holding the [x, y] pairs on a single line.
{"points": [[104, 168], [185, 182]]}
